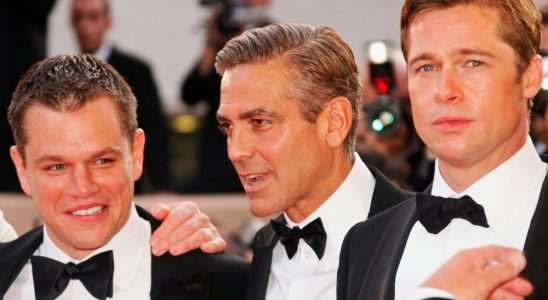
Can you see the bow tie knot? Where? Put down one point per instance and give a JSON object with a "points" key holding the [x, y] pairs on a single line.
{"points": [[435, 213], [313, 234], [72, 270]]}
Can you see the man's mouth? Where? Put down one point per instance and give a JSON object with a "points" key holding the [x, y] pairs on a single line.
{"points": [[252, 179], [92, 211]]}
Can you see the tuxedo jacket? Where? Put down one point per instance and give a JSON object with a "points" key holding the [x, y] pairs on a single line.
{"points": [[372, 251], [194, 275], [385, 195]]}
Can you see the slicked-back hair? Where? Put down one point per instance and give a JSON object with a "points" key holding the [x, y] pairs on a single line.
{"points": [[519, 23], [319, 62], [66, 83]]}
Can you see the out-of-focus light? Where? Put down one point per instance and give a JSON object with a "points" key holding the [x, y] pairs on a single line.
{"points": [[544, 85], [185, 124], [378, 52], [377, 125]]}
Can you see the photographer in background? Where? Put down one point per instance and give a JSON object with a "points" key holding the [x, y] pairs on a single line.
{"points": [[386, 137], [91, 20], [228, 19]]}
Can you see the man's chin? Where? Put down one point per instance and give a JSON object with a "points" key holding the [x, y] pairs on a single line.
{"points": [[259, 209]]}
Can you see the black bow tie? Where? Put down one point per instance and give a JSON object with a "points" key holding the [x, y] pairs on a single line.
{"points": [[313, 234], [52, 277], [435, 213]]}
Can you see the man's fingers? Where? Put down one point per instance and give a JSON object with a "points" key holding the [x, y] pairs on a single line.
{"points": [[500, 294], [518, 286], [159, 211], [504, 267], [215, 246], [176, 221], [199, 238]]}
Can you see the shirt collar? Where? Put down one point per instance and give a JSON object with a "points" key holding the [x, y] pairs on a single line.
{"points": [[104, 52], [129, 245], [503, 190], [348, 205]]}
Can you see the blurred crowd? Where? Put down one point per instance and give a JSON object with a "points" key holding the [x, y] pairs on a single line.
{"points": [[386, 137]]}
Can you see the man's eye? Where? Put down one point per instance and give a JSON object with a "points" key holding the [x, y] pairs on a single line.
{"points": [[104, 161], [426, 68], [57, 167], [261, 122], [474, 63], [223, 128]]}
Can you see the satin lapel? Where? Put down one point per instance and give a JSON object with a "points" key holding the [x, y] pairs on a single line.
{"points": [[386, 194], [378, 283], [14, 255], [259, 272], [536, 247]]}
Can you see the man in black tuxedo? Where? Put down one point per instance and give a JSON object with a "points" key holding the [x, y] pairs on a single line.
{"points": [[78, 152], [91, 21], [473, 69], [290, 96]]}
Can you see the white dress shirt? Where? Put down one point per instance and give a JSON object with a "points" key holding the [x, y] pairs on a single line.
{"points": [[104, 52], [509, 195], [305, 276], [132, 265], [6, 231]]}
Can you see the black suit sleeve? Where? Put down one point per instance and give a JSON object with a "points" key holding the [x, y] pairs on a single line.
{"points": [[342, 272], [230, 275]]}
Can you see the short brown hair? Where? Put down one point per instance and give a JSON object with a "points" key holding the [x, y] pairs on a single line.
{"points": [[519, 23], [67, 83], [320, 62]]}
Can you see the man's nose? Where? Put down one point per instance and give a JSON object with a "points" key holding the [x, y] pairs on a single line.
{"points": [[83, 183], [239, 145], [448, 86]]}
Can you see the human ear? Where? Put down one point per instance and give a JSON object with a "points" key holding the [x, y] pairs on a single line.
{"points": [[21, 171], [138, 153], [339, 119], [532, 77]]}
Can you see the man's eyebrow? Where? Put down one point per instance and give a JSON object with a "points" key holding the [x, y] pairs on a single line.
{"points": [[463, 51], [469, 51], [48, 158], [254, 113], [424, 56], [221, 118], [261, 112]]}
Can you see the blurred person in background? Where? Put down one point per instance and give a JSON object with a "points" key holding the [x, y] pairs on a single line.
{"points": [[215, 173], [23, 31], [539, 119], [91, 20], [395, 149], [539, 122], [7, 233]]}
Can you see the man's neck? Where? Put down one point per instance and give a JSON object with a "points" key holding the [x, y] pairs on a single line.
{"points": [[325, 188], [460, 175]]}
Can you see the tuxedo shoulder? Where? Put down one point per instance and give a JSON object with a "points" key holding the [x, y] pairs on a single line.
{"points": [[265, 235], [374, 227], [224, 262], [127, 61], [31, 239], [230, 273], [202, 275]]}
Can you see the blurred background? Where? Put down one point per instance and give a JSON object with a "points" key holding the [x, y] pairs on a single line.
{"points": [[166, 49]]}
